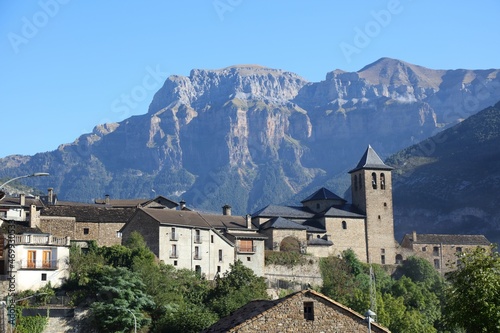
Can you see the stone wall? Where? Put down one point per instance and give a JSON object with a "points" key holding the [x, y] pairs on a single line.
{"points": [[104, 233], [289, 316], [295, 277]]}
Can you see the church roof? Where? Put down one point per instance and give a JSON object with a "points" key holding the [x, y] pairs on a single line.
{"points": [[282, 223], [371, 160], [284, 211], [323, 194], [344, 211]]}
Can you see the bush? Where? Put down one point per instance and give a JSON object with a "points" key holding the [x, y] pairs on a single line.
{"points": [[289, 259]]}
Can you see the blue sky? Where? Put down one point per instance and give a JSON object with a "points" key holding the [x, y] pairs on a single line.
{"points": [[69, 65]]}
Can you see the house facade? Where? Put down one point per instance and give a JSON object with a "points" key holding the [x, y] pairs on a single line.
{"points": [[304, 311], [442, 251], [32, 257], [205, 243]]}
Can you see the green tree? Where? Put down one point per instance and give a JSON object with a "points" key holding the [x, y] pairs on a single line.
{"points": [[473, 297], [236, 288], [118, 291]]}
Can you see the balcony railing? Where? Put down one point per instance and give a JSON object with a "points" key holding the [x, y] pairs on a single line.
{"points": [[197, 239], [41, 240], [174, 254], [246, 249], [197, 256], [174, 236], [39, 264]]}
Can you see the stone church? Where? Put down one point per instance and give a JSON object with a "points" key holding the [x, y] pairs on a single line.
{"points": [[326, 224]]}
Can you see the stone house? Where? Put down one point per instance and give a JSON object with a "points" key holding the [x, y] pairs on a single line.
{"points": [[100, 221], [205, 243], [442, 251], [33, 258], [304, 311]]}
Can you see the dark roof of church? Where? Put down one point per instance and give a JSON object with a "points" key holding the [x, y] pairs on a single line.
{"points": [[450, 239], [319, 241], [284, 211], [371, 160], [323, 194], [346, 210], [282, 223]]}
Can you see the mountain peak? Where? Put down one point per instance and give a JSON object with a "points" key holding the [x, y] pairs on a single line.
{"points": [[393, 71]]}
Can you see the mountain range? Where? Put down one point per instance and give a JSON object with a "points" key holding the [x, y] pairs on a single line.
{"points": [[249, 136]]}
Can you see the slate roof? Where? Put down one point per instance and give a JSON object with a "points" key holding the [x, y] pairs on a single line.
{"points": [[282, 223], [21, 227], [450, 239], [195, 219], [254, 309], [319, 241], [246, 235], [284, 211], [9, 201], [370, 160], [323, 194], [346, 210], [90, 213]]}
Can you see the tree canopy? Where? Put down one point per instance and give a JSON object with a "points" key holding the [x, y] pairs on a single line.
{"points": [[473, 296]]}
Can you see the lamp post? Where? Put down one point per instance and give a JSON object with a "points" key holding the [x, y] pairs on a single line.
{"points": [[369, 314], [135, 319], [36, 174]]}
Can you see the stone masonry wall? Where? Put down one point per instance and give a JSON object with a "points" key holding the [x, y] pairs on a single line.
{"points": [[289, 317]]}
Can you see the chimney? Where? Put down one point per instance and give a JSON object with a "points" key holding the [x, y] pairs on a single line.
{"points": [[249, 221], [106, 199], [182, 204], [50, 195], [226, 210], [34, 217], [414, 235], [22, 199]]}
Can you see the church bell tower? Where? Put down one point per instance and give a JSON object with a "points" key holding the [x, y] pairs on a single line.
{"points": [[371, 187]]}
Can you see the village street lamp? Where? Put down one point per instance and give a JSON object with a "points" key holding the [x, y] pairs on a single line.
{"points": [[135, 319], [369, 314], [36, 174]]}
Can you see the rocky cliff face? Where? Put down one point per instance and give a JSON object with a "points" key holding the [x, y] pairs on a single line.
{"points": [[250, 136]]}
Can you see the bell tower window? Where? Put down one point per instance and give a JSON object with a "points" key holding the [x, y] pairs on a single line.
{"points": [[374, 180], [360, 182], [382, 181], [355, 183]]}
